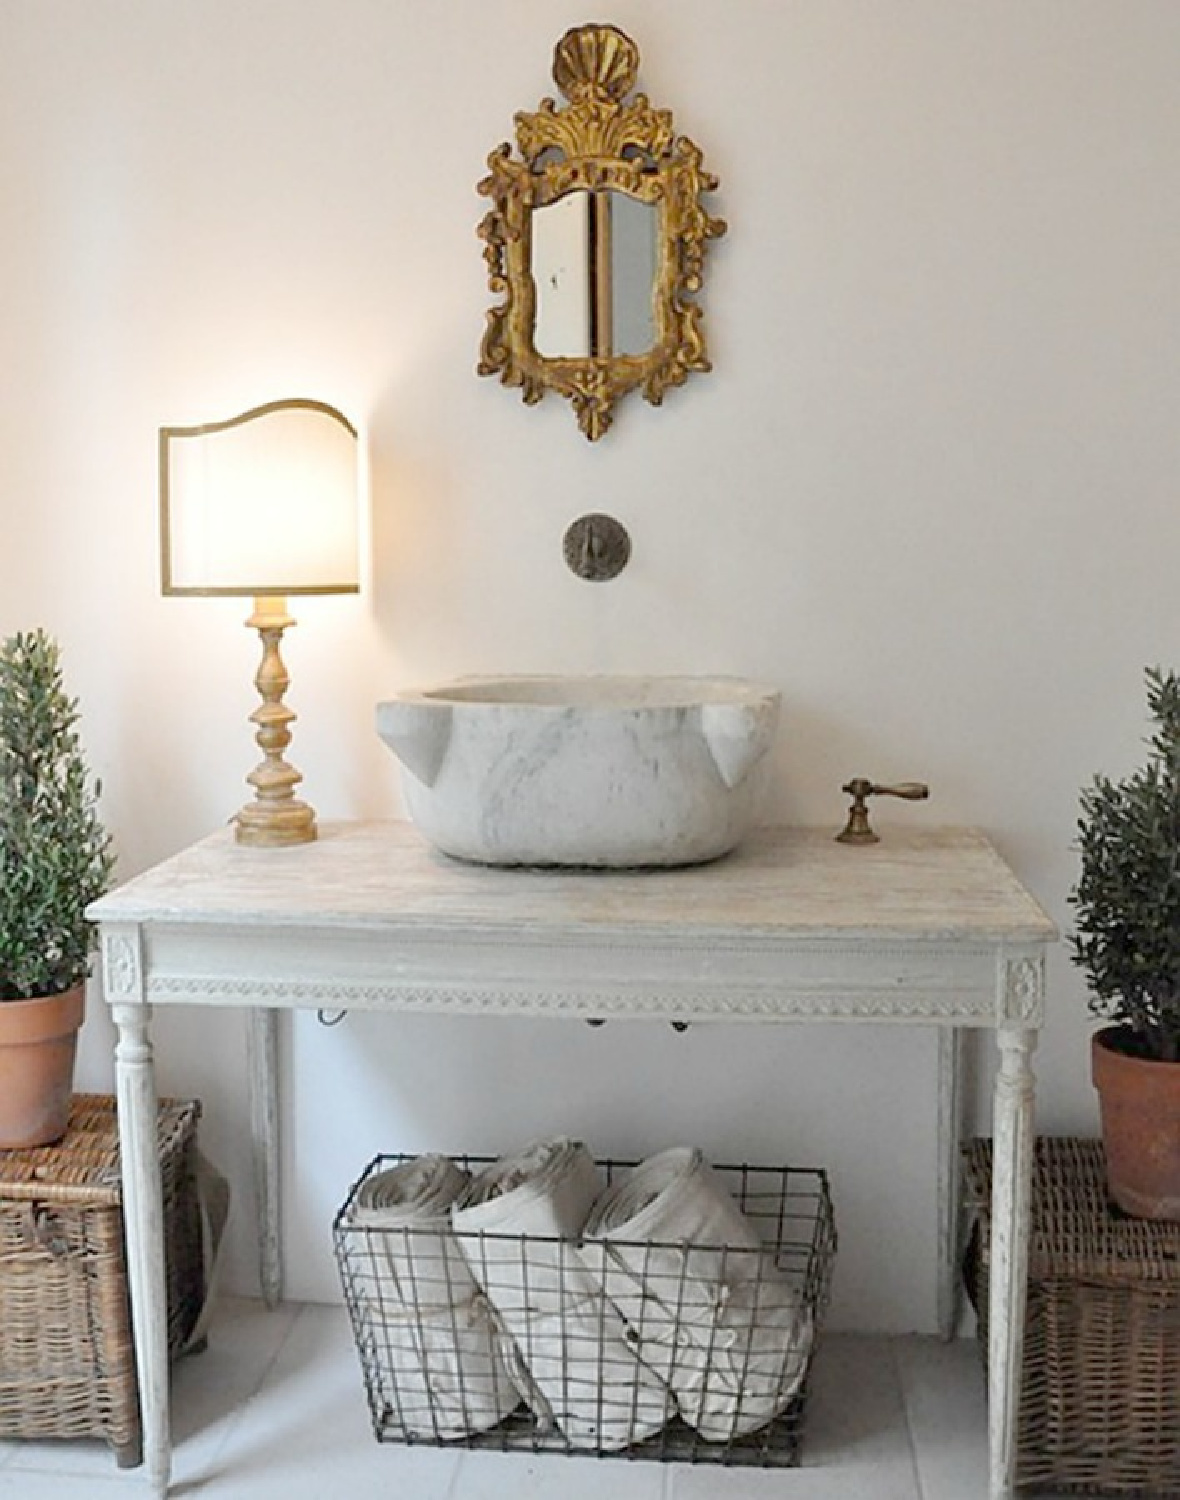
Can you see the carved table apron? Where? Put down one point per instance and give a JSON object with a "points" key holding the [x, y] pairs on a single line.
{"points": [[923, 928]]}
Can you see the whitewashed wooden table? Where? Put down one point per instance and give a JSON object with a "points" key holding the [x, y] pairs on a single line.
{"points": [[923, 928]]}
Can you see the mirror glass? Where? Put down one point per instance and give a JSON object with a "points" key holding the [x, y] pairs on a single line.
{"points": [[593, 263], [633, 227]]}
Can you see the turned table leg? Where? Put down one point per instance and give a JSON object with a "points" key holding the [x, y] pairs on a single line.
{"points": [[1012, 1126], [143, 1215]]}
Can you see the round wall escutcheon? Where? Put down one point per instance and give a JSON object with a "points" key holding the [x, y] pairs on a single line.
{"points": [[596, 547]]}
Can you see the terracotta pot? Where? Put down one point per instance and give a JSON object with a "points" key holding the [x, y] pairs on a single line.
{"points": [[1140, 1101], [38, 1039]]}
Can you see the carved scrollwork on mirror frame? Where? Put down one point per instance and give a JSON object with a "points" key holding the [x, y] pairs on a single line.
{"points": [[596, 240]]}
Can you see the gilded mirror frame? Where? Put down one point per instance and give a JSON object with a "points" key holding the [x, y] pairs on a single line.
{"points": [[597, 142]]}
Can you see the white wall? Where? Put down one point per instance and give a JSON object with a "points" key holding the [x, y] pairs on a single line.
{"points": [[930, 489]]}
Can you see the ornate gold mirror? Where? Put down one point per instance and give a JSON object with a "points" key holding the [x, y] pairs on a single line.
{"points": [[596, 240]]}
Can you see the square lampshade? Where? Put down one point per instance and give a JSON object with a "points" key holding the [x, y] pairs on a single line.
{"points": [[264, 503]]}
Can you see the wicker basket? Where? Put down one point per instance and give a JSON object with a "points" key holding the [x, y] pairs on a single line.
{"points": [[67, 1365], [793, 1212], [1100, 1401]]}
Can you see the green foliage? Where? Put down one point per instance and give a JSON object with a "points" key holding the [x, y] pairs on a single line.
{"points": [[1128, 897], [55, 857]]}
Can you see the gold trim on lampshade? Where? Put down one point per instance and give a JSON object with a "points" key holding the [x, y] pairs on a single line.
{"points": [[264, 503]]}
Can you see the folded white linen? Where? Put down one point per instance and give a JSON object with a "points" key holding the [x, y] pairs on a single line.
{"points": [[709, 1309], [450, 1364], [518, 1224]]}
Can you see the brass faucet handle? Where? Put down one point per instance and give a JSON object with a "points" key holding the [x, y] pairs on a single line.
{"points": [[912, 791], [860, 789]]}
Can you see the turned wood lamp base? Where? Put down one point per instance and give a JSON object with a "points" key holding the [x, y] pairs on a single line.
{"points": [[276, 817]]}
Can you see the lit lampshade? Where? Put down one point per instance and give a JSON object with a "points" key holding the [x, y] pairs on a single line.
{"points": [[264, 505]]}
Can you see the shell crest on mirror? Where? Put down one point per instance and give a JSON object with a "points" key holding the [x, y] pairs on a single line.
{"points": [[598, 60]]}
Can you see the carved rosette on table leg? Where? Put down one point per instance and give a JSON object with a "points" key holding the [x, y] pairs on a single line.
{"points": [[143, 1209], [1013, 1127]]}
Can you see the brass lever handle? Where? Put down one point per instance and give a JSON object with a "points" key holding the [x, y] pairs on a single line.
{"points": [[860, 789]]}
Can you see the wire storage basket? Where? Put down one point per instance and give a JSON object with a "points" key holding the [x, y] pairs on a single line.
{"points": [[645, 1349]]}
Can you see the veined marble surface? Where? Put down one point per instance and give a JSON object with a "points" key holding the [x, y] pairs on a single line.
{"points": [[928, 883], [589, 771]]}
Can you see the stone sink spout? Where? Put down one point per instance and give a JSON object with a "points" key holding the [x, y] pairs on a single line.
{"points": [[418, 733], [738, 736], [582, 771]]}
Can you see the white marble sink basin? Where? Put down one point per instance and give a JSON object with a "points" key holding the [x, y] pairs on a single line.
{"points": [[614, 771]]}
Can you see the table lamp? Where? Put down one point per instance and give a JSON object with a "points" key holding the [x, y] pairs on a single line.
{"points": [[263, 504]]}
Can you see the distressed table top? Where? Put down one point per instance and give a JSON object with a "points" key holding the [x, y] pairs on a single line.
{"points": [[937, 885]]}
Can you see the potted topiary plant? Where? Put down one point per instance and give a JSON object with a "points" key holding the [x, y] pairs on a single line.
{"points": [[55, 858], [1127, 940]]}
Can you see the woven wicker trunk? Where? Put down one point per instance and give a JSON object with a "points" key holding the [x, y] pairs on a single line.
{"points": [[67, 1365], [1100, 1400]]}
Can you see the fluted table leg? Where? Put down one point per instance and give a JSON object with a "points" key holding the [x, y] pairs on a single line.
{"points": [[143, 1214], [263, 1054], [950, 1054], [1011, 1200]]}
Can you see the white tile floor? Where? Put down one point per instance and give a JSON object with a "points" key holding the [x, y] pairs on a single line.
{"points": [[274, 1410]]}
